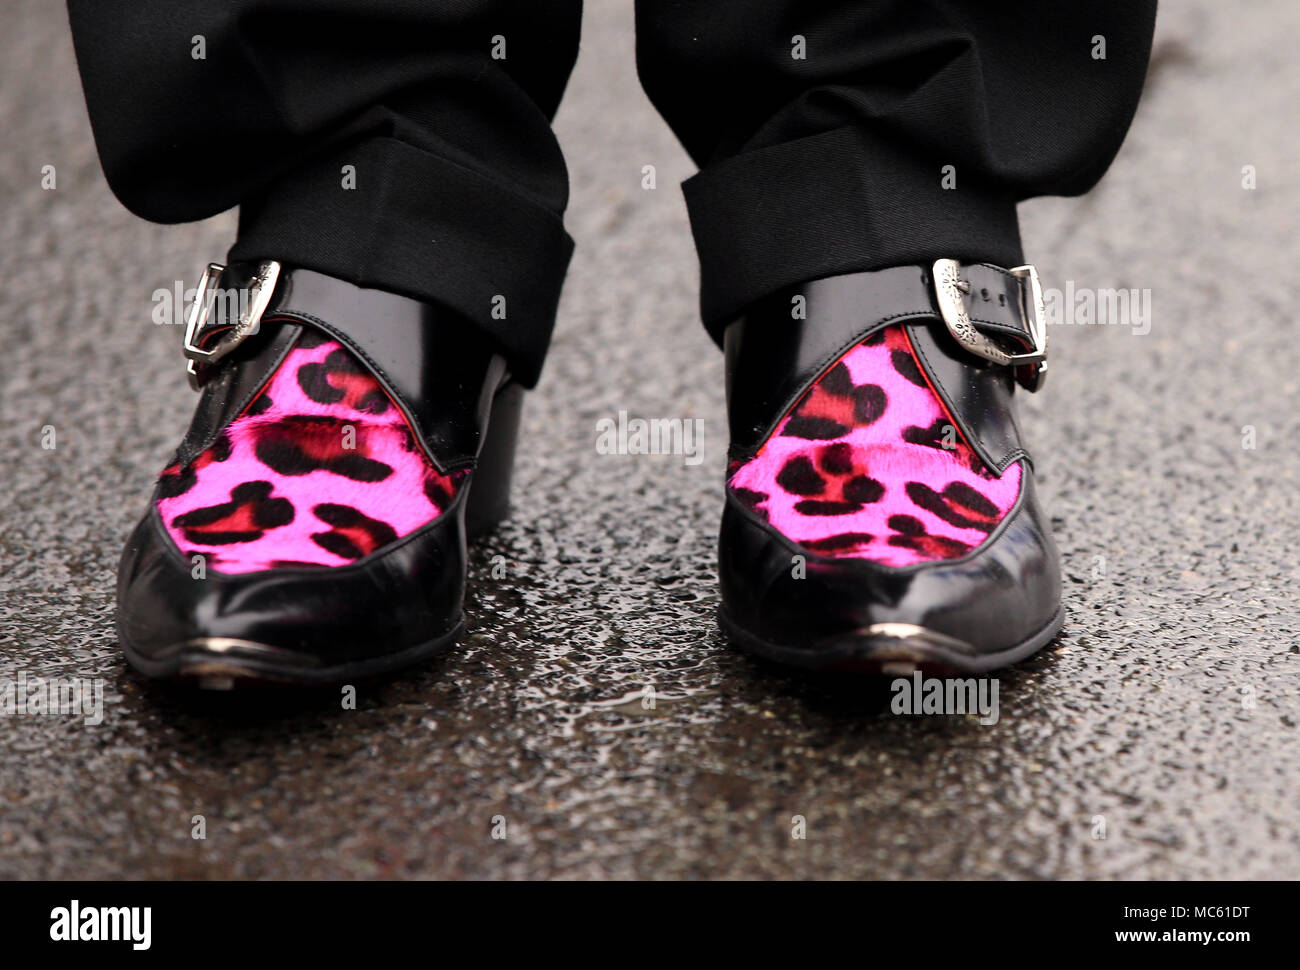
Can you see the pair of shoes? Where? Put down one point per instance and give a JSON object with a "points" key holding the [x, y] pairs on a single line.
{"points": [[311, 528]]}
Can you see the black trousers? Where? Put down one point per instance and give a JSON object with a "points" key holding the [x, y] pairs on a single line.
{"points": [[824, 131]]}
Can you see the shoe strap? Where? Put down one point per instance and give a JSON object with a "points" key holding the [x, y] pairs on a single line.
{"points": [[786, 341], [435, 365]]}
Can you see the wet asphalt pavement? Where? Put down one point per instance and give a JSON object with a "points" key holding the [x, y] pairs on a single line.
{"points": [[1170, 705]]}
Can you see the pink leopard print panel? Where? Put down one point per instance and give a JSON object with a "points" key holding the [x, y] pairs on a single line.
{"points": [[320, 470], [859, 467]]}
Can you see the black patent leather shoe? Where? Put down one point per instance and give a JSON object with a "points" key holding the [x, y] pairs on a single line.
{"points": [[975, 333], [301, 624]]}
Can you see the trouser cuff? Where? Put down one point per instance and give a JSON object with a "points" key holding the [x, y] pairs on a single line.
{"points": [[838, 202], [426, 227]]}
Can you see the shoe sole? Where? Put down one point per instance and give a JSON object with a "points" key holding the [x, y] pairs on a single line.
{"points": [[225, 663], [891, 650]]}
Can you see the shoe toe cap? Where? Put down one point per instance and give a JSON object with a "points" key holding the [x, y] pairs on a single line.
{"points": [[1002, 599], [306, 619]]}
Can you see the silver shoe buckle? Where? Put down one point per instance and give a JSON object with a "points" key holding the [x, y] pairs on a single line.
{"points": [[197, 328], [950, 290]]}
